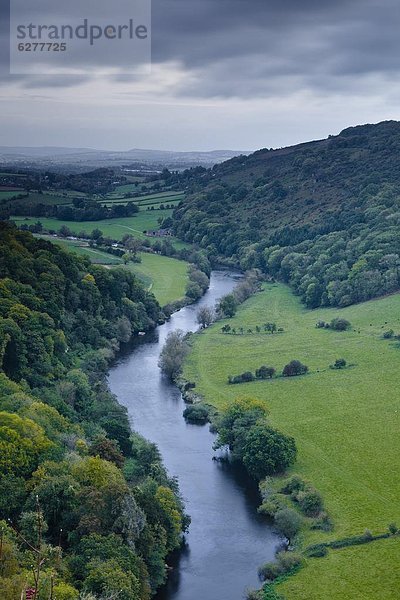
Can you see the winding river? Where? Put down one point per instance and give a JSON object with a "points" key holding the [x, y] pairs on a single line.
{"points": [[227, 540]]}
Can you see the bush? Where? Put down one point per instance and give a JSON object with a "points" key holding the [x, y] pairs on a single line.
{"points": [[340, 363], [340, 324], [285, 563], [265, 372], [243, 378], [198, 413], [317, 551], [294, 368], [288, 522], [310, 502], [293, 485], [388, 335], [323, 522], [393, 529]]}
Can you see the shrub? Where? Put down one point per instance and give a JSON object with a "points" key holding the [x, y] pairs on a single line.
{"points": [[388, 335], [294, 368], [393, 529], [323, 522], [294, 485], [320, 324], [243, 378], [310, 502], [198, 413], [285, 563], [265, 372], [288, 522], [340, 324], [340, 363], [317, 551], [270, 507]]}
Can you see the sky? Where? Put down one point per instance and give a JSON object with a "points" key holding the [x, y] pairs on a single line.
{"points": [[226, 74]]}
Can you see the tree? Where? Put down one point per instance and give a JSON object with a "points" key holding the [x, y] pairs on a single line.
{"points": [[205, 316], [294, 368], [288, 522], [227, 306], [265, 372], [173, 354], [267, 451]]}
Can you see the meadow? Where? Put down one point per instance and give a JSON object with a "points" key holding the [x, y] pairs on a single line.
{"points": [[345, 422], [165, 277], [113, 228]]}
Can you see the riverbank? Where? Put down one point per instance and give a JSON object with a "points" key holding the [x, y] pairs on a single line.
{"points": [[344, 421]]}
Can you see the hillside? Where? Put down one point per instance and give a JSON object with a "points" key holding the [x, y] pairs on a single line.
{"points": [[322, 216], [85, 504]]}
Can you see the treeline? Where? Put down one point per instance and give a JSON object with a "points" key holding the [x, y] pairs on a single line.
{"points": [[80, 210], [322, 217], [86, 506]]}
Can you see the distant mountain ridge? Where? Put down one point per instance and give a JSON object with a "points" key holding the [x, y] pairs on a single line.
{"points": [[55, 155]]}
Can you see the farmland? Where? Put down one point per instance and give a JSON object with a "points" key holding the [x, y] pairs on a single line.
{"points": [[113, 228], [345, 422]]}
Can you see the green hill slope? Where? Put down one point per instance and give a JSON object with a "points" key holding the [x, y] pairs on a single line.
{"points": [[321, 216]]}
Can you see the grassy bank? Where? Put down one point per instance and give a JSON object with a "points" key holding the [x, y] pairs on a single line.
{"points": [[345, 422]]}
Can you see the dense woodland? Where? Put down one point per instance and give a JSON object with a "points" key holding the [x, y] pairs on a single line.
{"points": [[86, 507], [323, 216]]}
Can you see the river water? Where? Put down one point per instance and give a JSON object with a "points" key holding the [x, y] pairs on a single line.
{"points": [[227, 540]]}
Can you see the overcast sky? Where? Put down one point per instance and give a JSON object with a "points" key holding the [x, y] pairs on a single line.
{"points": [[226, 74]]}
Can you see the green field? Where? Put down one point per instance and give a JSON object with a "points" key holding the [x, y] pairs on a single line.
{"points": [[165, 277], [168, 276], [346, 423], [113, 228]]}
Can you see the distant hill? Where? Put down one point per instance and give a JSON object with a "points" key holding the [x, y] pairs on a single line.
{"points": [[322, 215], [54, 156]]}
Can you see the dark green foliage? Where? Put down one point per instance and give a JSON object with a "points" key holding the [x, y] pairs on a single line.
{"points": [[310, 502], [266, 451], [339, 246], [265, 372], [197, 413], [388, 335], [340, 363], [294, 368], [339, 324], [227, 306], [67, 452], [263, 450], [245, 377]]}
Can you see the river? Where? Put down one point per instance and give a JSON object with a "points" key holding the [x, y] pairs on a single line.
{"points": [[227, 540]]}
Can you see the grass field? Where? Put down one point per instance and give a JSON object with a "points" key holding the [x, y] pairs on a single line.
{"points": [[165, 277], [346, 423], [114, 228], [168, 276]]}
